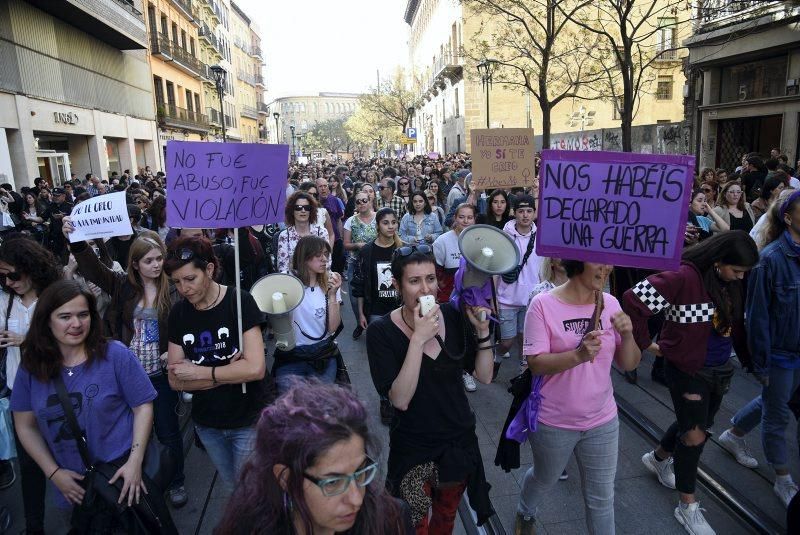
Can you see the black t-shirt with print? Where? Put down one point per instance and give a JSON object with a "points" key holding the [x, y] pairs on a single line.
{"points": [[210, 338], [384, 295]]}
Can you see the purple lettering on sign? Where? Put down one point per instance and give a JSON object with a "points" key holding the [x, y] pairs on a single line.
{"points": [[225, 185], [614, 208]]}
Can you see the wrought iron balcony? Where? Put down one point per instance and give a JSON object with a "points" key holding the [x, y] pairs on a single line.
{"points": [[185, 7], [263, 108], [255, 51], [175, 117], [259, 79], [180, 57], [246, 77], [249, 111], [714, 14], [213, 116], [667, 55]]}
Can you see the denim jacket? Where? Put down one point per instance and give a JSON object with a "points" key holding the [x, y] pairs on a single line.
{"points": [[773, 307], [430, 225]]}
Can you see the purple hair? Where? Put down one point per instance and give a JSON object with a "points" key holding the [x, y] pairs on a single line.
{"points": [[299, 428]]}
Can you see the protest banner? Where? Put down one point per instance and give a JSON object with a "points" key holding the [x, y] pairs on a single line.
{"points": [[502, 158], [225, 185], [613, 207], [105, 216]]}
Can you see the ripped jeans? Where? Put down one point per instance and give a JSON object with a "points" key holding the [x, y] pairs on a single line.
{"points": [[697, 399]]}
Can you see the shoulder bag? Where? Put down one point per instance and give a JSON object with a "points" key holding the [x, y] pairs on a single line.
{"points": [[99, 512], [4, 390]]}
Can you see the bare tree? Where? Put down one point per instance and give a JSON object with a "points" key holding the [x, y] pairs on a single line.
{"points": [[388, 104], [537, 49], [634, 36]]}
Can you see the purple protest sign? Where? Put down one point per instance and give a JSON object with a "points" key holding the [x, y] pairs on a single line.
{"points": [[225, 185], [614, 207]]}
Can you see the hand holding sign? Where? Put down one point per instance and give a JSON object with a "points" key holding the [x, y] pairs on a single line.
{"points": [[104, 216]]}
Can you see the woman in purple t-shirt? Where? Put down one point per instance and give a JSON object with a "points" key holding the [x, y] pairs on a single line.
{"points": [[572, 335], [110, 393]]}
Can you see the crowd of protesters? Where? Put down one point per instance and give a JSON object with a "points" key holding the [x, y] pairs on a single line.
{"points": [[150, 324]]}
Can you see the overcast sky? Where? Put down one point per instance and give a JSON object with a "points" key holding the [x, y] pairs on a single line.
{"points": [[319, 45]]}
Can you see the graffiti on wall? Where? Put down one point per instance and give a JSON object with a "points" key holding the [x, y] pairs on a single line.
{"points": [[577, 141]]}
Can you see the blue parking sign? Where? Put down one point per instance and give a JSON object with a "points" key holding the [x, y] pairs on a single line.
{"points": [[411, 132]]}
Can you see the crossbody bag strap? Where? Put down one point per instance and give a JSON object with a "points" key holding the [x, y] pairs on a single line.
{"points": [[528, 251], [8, 309], [69, 415], [324, 328]]}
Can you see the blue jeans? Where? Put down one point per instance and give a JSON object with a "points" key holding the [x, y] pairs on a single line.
{"points": [[771, 409], [596, 452], [166, 423], [228, 449], [286, 372]]}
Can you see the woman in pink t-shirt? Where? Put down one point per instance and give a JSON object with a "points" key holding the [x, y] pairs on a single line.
{"points": [[573, 350]]}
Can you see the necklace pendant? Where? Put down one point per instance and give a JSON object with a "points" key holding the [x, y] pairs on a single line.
{"points": [[69, 372]]}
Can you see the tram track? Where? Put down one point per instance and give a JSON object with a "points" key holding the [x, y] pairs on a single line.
{"points": [[731, 499]]}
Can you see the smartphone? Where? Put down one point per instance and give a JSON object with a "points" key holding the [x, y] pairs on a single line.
{"points": [[426, 304]]}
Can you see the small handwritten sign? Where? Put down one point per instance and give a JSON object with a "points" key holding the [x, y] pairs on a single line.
{"points": [[104, 216], [614, 208], [502, 158], [225, 185]]}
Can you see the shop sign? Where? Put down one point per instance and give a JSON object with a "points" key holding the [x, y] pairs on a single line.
{"points": [[65, 118]]}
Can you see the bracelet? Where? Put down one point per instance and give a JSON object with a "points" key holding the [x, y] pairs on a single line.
{"points": [[485, 339], [54, 473], [488, 347], [214, 375]]}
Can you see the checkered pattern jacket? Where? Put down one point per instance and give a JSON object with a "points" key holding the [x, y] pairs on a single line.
{"points": [[688, 310]]}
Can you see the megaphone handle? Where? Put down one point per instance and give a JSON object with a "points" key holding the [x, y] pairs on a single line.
{"points": [[482, 315]]}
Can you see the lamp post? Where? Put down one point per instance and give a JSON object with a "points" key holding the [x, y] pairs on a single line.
{"points": [[292, 129], [377, 147], [486, 70], [411, 123], [276, 115], [299, 139], [583, 117], [219, 82]]}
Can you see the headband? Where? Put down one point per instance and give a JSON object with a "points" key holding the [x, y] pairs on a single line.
{"points": [[785, 206]]}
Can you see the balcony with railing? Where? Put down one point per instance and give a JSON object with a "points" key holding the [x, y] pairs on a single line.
{"points": [[714, 14], [173, 116], [259, 80], [248, 111], [669, 54], [213, 116], [263, 109], [246, 77], [115, 22], [207, 34], [180, 57], [185, 8], [255, 51]]}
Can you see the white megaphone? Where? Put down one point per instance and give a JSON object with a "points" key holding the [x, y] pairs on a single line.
{"points": [[488, 251], [277, 295]]}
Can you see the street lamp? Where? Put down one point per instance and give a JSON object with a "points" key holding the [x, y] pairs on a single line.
{"points": [[219, 82], [583, 117], [299, 139], [292, 129], [276, 115], [486, 69]]}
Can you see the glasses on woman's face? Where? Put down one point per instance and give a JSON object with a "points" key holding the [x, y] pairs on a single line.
{"points": [[302, 208], [404, 183], [333, 486], [12, 276], [362, 201], [408, 249]]}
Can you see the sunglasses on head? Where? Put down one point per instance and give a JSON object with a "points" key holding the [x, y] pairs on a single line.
{"points": [[302, 207], [408, 249], [12, 276], [185, 255]]}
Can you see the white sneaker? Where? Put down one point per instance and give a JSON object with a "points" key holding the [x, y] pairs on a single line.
{"points": [[469, 382], [691, 518], [663, 469], [785, 489], [737, 446], [506, 355]]}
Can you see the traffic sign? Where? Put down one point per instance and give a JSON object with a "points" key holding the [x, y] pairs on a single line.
{"points": [[411, 133], [407, 140]]}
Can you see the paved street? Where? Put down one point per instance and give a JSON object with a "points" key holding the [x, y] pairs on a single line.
{"points": [[642, 505]]}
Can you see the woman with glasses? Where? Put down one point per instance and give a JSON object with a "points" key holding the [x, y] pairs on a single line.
{"points": [[499, 210], [207, 358], [419, 224], [301, 220], [733, 209], [710, 189], [141, 300], [26, 269], [314, 320], [416, 360], [404, 189], [447, 253], [317, 475], [359, 230], [433, 202]]}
